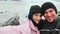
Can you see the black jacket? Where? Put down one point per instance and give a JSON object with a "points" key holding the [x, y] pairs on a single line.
{"points": [[51, 28]]}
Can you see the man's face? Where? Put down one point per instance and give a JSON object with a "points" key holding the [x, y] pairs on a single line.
{"points": [[36, 17], [50, 15]]}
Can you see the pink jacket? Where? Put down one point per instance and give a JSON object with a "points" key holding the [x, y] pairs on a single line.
{"points": [[26, 28]]}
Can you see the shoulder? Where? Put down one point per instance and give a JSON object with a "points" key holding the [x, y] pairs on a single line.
{"points": [[58, 18]]}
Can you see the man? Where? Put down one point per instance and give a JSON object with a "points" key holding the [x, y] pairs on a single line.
{"points": [[51, 22]]}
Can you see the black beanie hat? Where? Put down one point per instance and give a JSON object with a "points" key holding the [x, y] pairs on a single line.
{"points": [[34, 9], [48, 5]]}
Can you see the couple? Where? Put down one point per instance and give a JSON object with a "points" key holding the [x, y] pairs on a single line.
{"points": [[34, 23]]}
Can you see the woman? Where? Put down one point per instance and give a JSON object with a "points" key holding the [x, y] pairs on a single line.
{"points": [[30, 25]]}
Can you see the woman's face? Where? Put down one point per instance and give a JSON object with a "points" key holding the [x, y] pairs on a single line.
{"points": [[36, 17]]}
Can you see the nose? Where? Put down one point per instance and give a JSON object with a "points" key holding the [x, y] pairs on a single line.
{"points": [[38, 17], [49, 14]]}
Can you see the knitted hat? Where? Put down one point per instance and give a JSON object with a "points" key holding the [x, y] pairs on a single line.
{"points": [[34, 9], [46, 6]]}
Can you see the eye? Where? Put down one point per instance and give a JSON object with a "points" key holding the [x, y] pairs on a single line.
{"points": [[51, 11], [36, 14], [45, 12]]}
